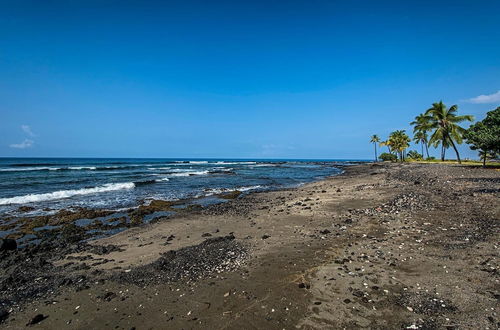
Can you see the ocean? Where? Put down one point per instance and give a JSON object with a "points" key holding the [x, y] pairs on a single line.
{"points": [[43, 197], [50, 184]]}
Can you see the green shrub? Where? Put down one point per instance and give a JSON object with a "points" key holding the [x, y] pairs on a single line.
{"points": [[386, 157], [414, 155]]}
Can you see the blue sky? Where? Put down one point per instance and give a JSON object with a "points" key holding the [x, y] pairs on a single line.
{"points": [[236, 79]]}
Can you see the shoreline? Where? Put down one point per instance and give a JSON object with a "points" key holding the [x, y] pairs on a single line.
{"points": [[34, 224], [366, 247]]}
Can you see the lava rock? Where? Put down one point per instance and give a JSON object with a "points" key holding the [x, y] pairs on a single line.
{"points": [[37, 319], [357, 293], [212, 256], [3, 315], [25, 209], [8, 244]]}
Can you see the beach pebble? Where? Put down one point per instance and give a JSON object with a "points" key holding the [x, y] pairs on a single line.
{"points": [[37, 319]]}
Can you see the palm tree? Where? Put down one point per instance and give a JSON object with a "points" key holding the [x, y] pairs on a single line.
{"points": [[421, 137], [421, 126], [385, 144], [445, 144], [444, 122], [399, 142], [375, 139]]}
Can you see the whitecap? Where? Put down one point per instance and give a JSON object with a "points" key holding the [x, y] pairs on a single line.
{"points": [[82, 168], [65, 193], [190, 173], [29, 169]]}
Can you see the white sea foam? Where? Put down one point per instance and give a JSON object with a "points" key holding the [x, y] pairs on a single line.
{"points": [[65, 193], [177, 170], [224, 169], [44, 168], [29, 169], [190, 173], [162, 179], [216, 191], [234, 163], [264, 165], [198, 162]]}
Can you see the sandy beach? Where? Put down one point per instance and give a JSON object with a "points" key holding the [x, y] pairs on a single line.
{"points": [[382, 246]]}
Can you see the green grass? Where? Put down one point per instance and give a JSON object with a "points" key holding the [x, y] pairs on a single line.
{"points": [[464, 162]]}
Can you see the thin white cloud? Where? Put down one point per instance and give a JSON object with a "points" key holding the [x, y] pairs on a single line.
{"points": [[27, 129], [27, 143], [483, 99]]}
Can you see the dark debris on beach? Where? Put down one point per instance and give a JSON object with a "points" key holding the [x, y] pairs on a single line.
{"points": [[213, 256], [31, 273]]}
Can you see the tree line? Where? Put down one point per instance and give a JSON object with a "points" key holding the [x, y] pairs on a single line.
{"points": [[439, 127]]}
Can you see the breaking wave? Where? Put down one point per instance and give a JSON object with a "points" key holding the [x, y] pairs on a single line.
{"points": [[188, 173], [216, 191], [65, 193]]}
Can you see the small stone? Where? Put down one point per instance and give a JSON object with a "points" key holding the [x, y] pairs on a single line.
{"points": [[37, 319], [357, 293]]}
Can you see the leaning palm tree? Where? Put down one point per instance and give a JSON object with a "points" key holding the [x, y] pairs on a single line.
{"points": [[375, 139], [421, 137], [444, 122], [421, 126]]}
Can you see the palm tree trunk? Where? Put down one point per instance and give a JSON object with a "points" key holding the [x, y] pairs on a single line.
{"points": [[443, 152], [427, 149], [484, 159], [456, 150], [375, 145], [422, 149]]}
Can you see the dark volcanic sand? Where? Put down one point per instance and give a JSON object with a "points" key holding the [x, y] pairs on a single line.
{"points": [[382, 246]]}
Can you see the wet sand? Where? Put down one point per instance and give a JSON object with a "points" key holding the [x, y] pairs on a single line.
{"points": [[381, 246]]}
